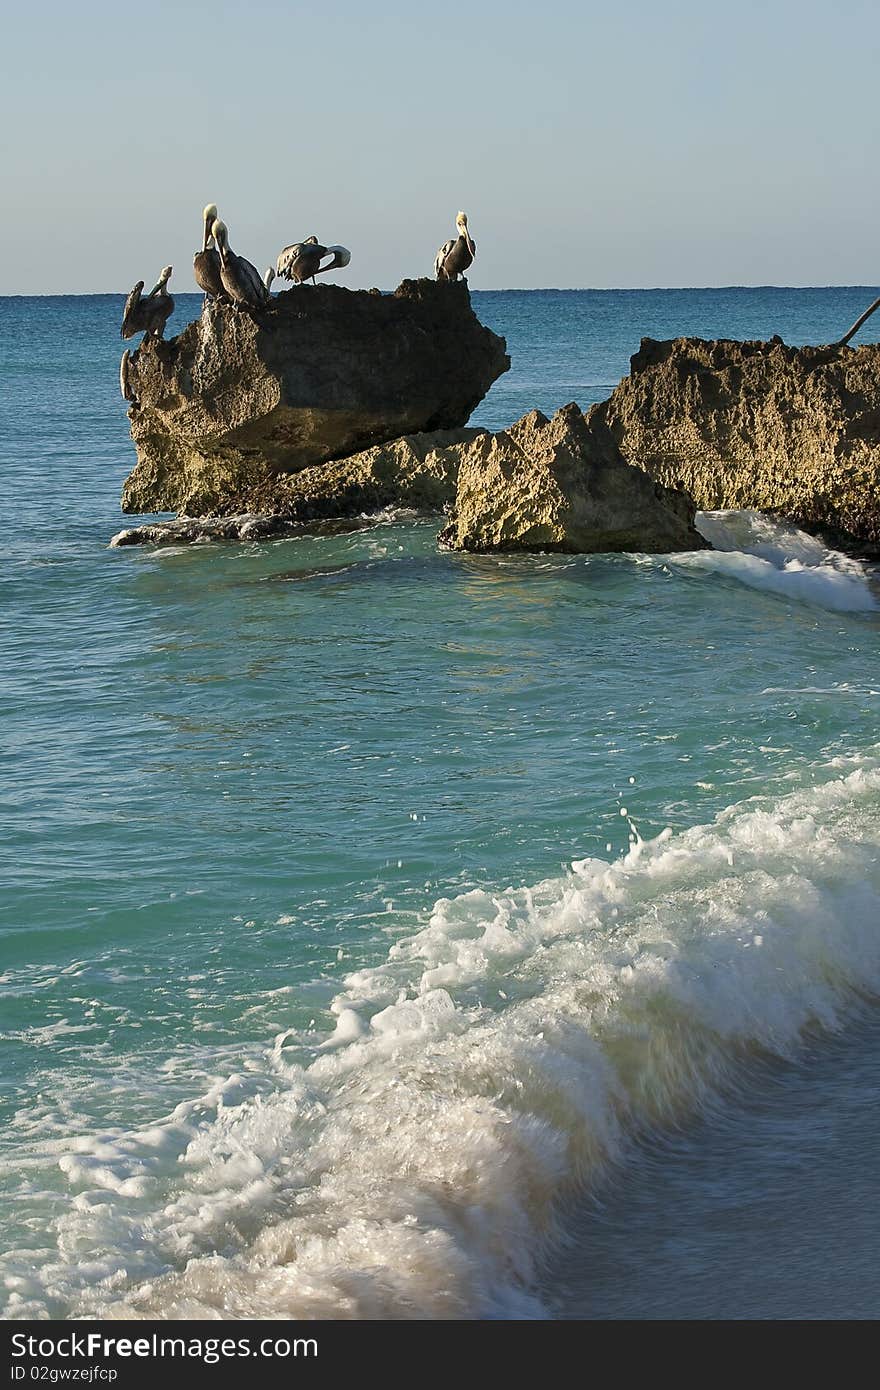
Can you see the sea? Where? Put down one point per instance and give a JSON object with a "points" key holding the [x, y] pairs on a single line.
{"points": [[396, 934]]}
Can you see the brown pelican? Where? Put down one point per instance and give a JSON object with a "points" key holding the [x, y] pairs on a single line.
{"points": [[241, 280], [206, 263], [301, 261], [148, 316], [456, 255]]}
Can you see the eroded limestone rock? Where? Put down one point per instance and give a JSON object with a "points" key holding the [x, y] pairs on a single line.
{"points": [[792, 431], [418, 472], [229, 407], [562, 484]]}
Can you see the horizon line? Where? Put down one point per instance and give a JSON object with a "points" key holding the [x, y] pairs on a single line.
{"points": [[507, 289]]}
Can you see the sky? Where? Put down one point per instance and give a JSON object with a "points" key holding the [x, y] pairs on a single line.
{"points": [[681, 143]]}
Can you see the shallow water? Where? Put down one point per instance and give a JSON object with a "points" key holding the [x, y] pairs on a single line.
{"points": [[316, 846]]}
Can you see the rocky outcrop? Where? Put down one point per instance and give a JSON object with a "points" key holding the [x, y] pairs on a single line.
{"points": [[557, 484], [562, 485], [229, 407], [793, 431], [418, 472]]}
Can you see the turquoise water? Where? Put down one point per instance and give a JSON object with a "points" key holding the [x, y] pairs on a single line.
{"points": [[361, 900]]}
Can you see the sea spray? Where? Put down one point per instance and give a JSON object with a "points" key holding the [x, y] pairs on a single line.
{"points": [[781, 560]]}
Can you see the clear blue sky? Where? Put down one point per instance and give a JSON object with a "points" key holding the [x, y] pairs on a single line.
{"points": [[683, 142]]}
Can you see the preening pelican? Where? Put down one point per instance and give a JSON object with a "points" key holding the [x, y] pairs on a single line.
{"points": [[456, 255], [148, 316], [341, 257], [301, 261], [206, 263], [241, 280]]}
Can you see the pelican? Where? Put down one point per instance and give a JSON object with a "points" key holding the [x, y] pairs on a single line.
{"points": [[457, 254], [269, 277], [148, 316], [206, 263], [241, 280], [301, 261]]}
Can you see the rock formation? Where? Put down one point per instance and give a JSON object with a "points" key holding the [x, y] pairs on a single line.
{"points": [[793, 431], [225, 409], [419, 471], [557, 484], [563, 485], [346, 402]]}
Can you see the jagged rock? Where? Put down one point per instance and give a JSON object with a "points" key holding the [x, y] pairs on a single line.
{"points": [[418, 472], [541, 485], [794, 431], [229, 406], [562, 484]]}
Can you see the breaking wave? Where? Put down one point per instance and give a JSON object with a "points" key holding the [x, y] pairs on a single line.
{"points": [[782, 560], [413, 1161]]}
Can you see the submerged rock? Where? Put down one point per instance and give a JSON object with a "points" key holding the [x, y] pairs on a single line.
{"points": [[193, 530], [562, 484], [226, 410], [758, 425]]}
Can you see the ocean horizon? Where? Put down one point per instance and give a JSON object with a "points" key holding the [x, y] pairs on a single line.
{"points": [[511, 289]]}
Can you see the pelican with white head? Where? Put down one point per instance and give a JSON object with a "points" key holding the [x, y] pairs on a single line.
{"points": [[456, 255]]}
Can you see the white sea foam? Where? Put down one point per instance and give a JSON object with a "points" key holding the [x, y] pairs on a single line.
{"points": [[410, 1163], [755, 550]]}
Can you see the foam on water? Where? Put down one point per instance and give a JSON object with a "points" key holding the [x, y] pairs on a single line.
{"points": [[779, 559], [413, 1162]]}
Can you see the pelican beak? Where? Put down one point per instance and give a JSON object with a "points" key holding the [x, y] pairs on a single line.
{"points": [[207, 238]]}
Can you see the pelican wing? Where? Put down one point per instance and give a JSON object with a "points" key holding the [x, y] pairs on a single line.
{"points": [[256, 286], [442, 254], [300, 261], [130, 325], [287, 259]]}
